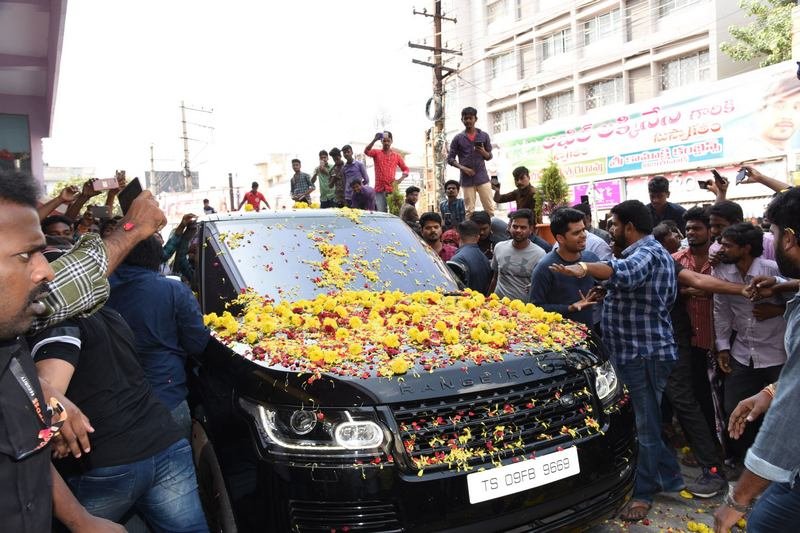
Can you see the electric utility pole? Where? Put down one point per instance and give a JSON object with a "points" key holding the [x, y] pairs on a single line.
{"points": [[435, 106], [187, 173]]}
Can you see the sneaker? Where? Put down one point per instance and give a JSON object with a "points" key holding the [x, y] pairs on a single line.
{"points": [[708, 484]]}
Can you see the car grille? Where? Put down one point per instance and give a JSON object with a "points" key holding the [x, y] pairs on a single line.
{"points": [[364, 516], [487, 427]]}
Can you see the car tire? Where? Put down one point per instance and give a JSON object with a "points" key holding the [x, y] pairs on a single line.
{"points": [[211, 483]]}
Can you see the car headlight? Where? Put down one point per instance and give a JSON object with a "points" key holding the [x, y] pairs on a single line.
{"points": [[606, 382], [289, 430]]}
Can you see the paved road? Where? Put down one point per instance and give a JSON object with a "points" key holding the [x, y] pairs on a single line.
{"points": [[670, 512]]}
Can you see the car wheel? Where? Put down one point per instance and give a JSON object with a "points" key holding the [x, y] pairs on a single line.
{"points": [[211, 484]]}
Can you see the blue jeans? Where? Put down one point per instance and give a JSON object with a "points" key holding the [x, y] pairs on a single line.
{"points": [[183, 417], [778, 509], [380, 202], [163, 488], [656, 468]]}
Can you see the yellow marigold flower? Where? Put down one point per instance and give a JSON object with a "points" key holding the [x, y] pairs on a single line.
{"points": [[210, 318], [356, 322], [296, 320], [268, 326], [398, 365], [311, 322], [541, 329], [355, 348], [440, 326], [340, 310], [314, 353], [451, 336], [251, 337], [342, 334], [391, 340], [330, 323], [248, 207], [332, 357]]}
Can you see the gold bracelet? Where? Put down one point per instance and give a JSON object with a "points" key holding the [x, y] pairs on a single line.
{"points": [[584, 269], [770, 389]]}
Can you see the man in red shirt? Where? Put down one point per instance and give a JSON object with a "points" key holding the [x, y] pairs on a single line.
{"points": [[431, 224], [386, 163], [254, 198]]}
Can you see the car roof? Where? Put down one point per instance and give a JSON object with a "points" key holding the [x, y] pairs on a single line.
{"points": [[304, 213]]}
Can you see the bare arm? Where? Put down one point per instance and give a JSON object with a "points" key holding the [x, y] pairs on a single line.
{"points": [[67, 195], [754, 176], [143, 219], [599, 271], [707, 283], [87, 192]]}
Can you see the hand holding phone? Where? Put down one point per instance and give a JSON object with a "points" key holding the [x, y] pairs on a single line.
{"points": [[703, 183], [128, 194], [494, 181], [742, 175]]}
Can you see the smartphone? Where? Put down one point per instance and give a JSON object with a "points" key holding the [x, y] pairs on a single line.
{"points": [[718, 177], [477, 144], [703, 184], [99, 212], [379, 136], [584, 198], [104, 184], [495, 181], [741, 175], [128, 194]]}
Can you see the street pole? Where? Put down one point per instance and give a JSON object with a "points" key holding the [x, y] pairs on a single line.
{"points": [[440, 72], [187, 174], [230, 190], [153, 182]]}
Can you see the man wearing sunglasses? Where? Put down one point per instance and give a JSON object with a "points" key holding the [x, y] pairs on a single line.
{"points": [[35, 296]]}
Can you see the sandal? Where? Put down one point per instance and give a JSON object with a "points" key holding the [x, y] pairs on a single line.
{"points": [[635, 510]]}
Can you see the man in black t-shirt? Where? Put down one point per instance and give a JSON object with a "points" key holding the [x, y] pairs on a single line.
{"points": [[139, 458]]}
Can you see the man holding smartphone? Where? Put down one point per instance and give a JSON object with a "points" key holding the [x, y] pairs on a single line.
{"points": [[525, 193], [469, 152], [386, 163]]}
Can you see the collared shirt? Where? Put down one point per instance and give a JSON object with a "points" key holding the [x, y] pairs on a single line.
{"points": [[354, 171], [464, 149], [555, 292], [365, 199], [758, 341], [775, 454], [672, 212], [595, 245], [640, 293], [525, 197], [456, 209], [699, 308], [603, 234], [301, 185], [326, 190], [386, 165], [79, 285], [768, 244]]}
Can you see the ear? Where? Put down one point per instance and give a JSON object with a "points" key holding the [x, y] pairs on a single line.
{"points": [[789, 241]]}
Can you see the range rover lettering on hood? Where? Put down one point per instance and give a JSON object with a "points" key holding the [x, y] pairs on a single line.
{"points": [[446, 383]]}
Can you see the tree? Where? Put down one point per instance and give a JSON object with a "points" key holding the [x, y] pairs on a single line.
{"points": [[552, 190], [394, 200], [768, 37]]}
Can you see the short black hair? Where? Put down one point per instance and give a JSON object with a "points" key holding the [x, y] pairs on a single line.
{"points": [[636, 213], [254, 185], [584, 208], [323, 152], [469, 111], [388, 134], [784, 211], [697, 213], [19, 188], [561, 218], [295, 160], [55, 219], [661, 231], [205, 200], [480, 217], [147, 254], [335, 152], [411, 190], [468, 228], [520, 171], [430, 216], [745, 233], [522, 213], [730, 211], [452, 182], [347, 147], [657, 185]]}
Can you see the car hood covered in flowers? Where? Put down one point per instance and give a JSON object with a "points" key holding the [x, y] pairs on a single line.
{"points": [[361, 299]]}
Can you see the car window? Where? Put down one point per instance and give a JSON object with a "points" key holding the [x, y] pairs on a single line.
{"points": [[283, 257]]}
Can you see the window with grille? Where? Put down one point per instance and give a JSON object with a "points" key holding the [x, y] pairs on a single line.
{"points": [[497, 11], [685, 70], [665, 7], [504, 120], [503, 65], [601, 26], [604, 92], [558, 105], [556, 44]]}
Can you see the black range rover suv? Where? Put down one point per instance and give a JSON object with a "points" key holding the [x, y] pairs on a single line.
{"points": [[264, 464]]}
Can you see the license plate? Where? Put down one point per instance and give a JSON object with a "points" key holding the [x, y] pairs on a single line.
{"points": [[516, 477]]}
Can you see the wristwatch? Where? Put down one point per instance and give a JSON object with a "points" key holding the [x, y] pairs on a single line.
{"points": [[731, 502]]}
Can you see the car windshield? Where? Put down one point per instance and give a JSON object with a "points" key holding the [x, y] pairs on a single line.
{"points": [[297, 257]]}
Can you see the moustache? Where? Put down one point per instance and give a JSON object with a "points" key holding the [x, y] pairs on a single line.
{"points": [[38, 293]]}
